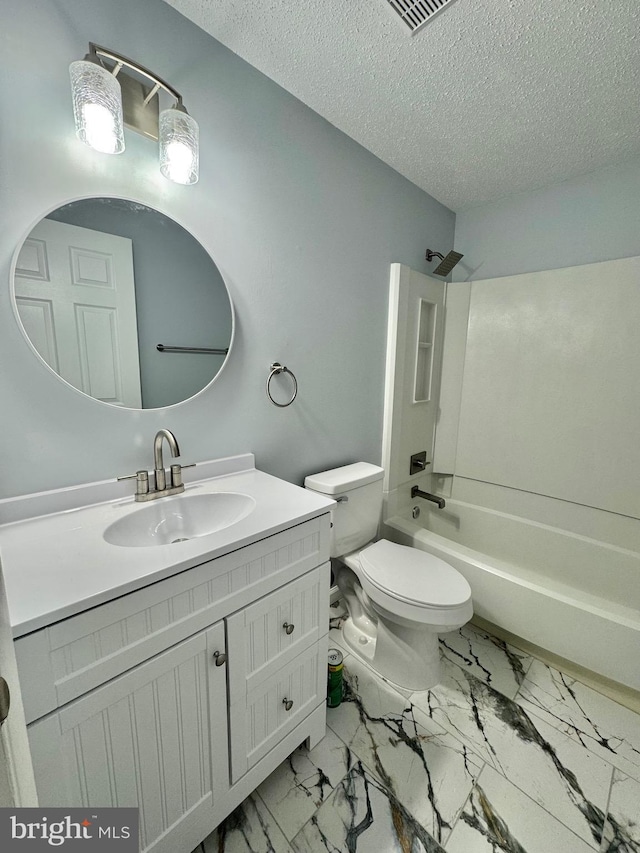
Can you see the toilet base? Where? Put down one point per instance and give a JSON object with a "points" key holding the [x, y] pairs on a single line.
{"points": [[362, 642], [408, 658]]}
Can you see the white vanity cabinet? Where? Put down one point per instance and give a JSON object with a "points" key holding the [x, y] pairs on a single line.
{"points": [[183, 696]]}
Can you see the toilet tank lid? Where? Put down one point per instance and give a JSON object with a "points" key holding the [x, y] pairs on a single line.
{"points": [[338, 480]]}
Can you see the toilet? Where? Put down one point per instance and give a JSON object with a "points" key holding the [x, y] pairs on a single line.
{"points": [[398, 598]]}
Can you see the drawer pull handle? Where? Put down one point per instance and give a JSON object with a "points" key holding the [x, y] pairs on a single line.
{"points": [[288, 704], [288, 627], [220, 658]]}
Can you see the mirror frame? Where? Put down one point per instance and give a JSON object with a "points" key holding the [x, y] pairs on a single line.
{"points": [[41, 360]]}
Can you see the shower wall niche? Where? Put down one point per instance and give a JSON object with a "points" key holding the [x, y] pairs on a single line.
{"points": [[427, 313]]}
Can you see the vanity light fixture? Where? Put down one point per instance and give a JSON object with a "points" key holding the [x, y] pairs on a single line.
{"points": [[106, 99]]}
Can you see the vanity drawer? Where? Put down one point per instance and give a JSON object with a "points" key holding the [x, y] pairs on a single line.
{"points": [[267, 635], [71, 657], [261, 720]]}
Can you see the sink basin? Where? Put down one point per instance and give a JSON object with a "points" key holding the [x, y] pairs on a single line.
{"points": [[179, 519]]}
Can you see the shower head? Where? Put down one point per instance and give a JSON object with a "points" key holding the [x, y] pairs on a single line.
{"points": [[447, 264]]}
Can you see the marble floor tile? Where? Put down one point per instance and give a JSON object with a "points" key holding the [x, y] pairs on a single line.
{"points": [[362, 816], [505, 755], [591, 719], [499, 817], [248, 829], [299, 786], [490, 659], [424, 767], [557, 773], [622, 827], [337, 610], [337, 615], [336, 640]]}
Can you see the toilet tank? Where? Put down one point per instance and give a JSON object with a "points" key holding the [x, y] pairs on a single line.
{"points": [[358, 490]]}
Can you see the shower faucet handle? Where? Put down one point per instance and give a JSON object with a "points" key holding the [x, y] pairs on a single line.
{"points": [[418, 462]]}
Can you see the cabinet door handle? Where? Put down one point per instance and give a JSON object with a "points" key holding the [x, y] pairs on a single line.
{"points": [[220, 658], [288, 627], [288, 704]]}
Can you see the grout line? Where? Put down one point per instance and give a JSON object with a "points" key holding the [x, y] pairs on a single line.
{"points": [[606, 811], [323, 803], [527, 796], [255, 793], [461, 810], [526, 675], [333, 788]]}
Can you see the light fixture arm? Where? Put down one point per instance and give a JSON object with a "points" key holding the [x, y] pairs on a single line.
{"points": [[96, 52]]}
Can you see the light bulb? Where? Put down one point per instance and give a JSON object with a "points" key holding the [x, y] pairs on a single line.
{"points": [[100, 128], [97, 106], [179, 152], [179, 162]]}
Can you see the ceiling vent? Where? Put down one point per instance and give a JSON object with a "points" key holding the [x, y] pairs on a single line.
{"points": [[416, 13]]}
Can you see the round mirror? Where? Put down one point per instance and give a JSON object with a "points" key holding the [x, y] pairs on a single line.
{"points": [[123, 303]]}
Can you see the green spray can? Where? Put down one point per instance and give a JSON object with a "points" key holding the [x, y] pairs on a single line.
{"points": [[334, 680]]}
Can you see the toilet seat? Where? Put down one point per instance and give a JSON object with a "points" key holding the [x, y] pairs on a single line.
{"points": [[413, 575], [412, 584]]}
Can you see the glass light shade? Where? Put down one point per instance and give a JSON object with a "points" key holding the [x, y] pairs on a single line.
{"points": [[179, 147], [97, 107]]}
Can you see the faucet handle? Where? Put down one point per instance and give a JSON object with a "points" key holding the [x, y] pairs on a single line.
{"points": [[176, 474], [142, 481]]}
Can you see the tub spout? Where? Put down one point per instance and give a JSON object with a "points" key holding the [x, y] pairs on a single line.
{"points": [[418, 493]]}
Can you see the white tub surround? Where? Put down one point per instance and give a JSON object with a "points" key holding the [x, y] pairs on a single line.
{"points": [[535, 453], [172, 677]]}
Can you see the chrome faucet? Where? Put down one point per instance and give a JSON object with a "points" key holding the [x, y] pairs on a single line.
{"points": [[418, 493], [160, 473], [160, 487]]}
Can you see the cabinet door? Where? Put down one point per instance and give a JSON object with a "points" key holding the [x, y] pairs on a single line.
{"points": [[155, 737]]}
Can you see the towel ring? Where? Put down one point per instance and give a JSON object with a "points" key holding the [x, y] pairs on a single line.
{"points": [[277, 368]]}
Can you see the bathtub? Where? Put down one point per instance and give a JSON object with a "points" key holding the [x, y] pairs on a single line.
{"points": [[576, 597]]}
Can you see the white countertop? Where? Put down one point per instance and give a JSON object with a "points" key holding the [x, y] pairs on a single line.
{"points": [[58, 564]]}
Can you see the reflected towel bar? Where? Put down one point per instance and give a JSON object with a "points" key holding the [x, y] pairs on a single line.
{"points": [[210, 350]]}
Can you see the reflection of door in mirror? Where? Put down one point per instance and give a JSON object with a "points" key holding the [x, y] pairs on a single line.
{"points": [[75, 294], [181, 300]]}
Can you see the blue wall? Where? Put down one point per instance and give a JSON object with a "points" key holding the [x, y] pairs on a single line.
{"points": [[591, 218], [302, 222]]}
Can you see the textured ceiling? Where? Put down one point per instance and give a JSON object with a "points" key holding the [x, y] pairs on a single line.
{"points": [[490, 98]]}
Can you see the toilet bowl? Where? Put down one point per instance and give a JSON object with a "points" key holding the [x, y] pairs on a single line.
{"points": [[404, 599], [398, 598]]}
